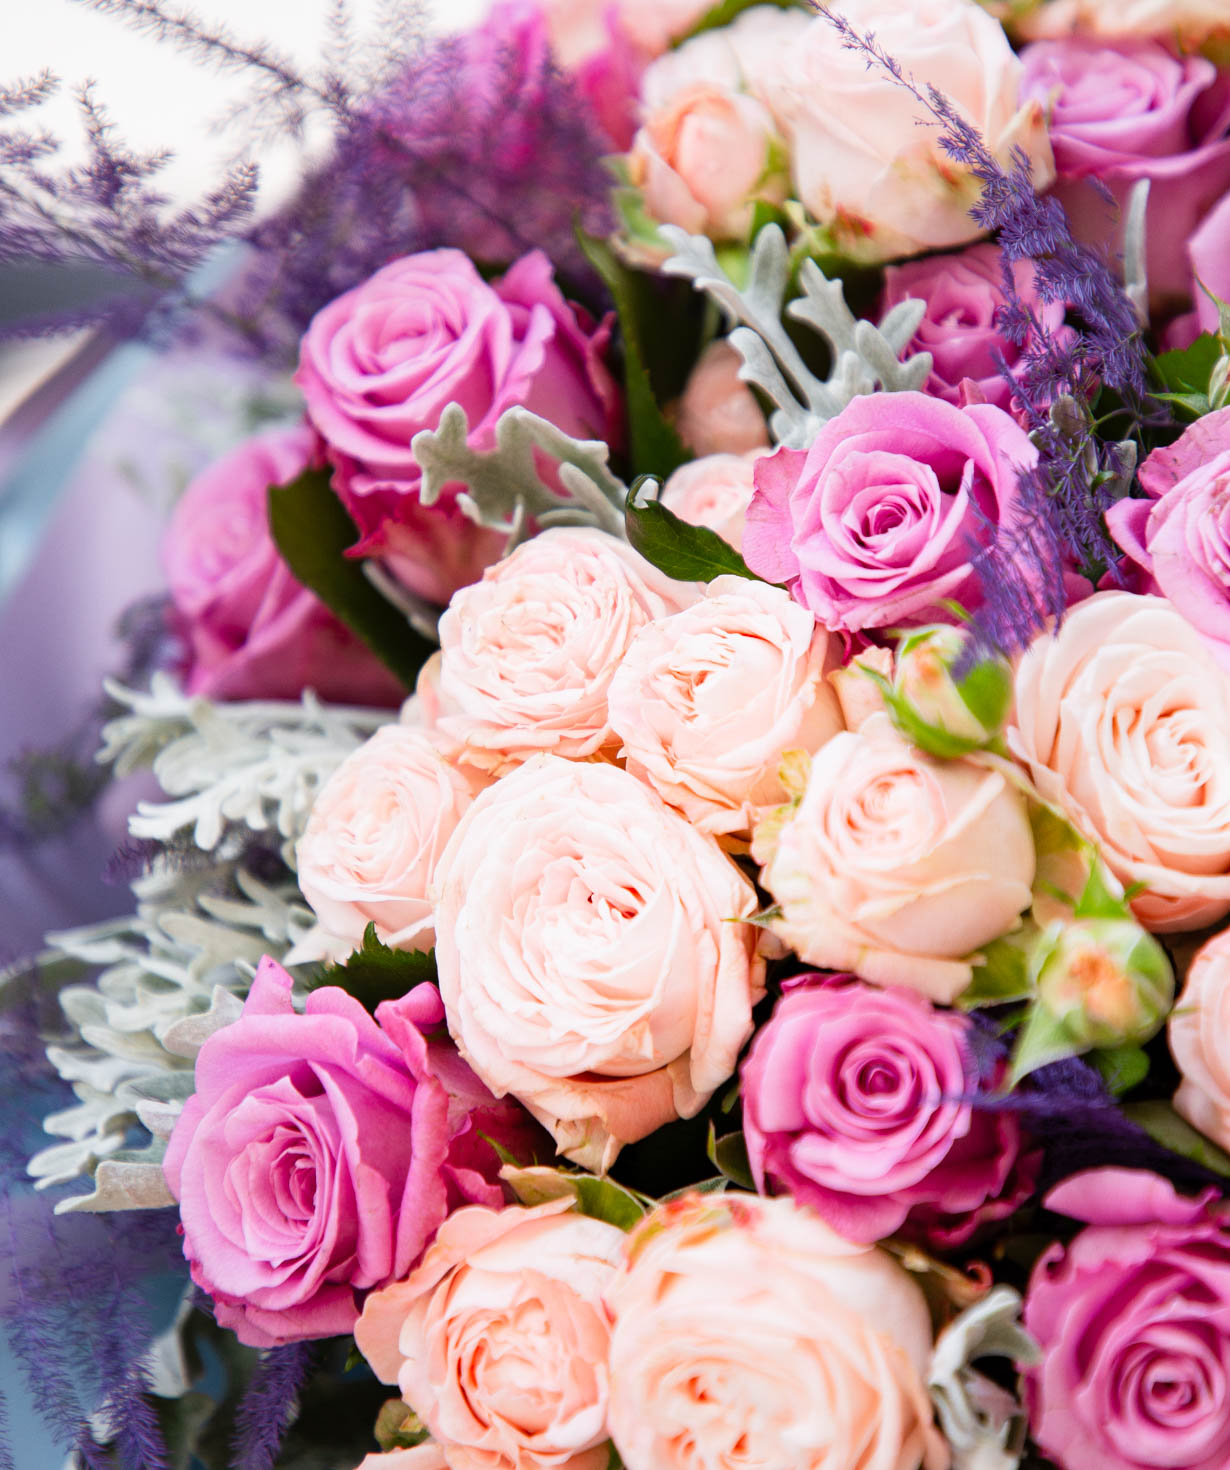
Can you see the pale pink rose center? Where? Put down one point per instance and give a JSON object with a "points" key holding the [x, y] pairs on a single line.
{"points": [[892, 816]]}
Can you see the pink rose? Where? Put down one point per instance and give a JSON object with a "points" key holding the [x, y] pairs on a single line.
{"points": [[898, 866], [317, 1156], [384, 360], [589, 957], [498, 1340], [253, 631], [714, 492], [718, 412], [1179, 537], [747, 1333], [680, 702], [856, 1101], [603, 60], [701, 161], [376, 831], [1199, 1031], [963, 294], [1123, 720], [527, 655], [1133, 1318], [875, 524], [861, 163], [1135, 111]]}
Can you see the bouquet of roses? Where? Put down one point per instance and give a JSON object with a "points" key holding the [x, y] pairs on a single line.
{"points": [[683, 924]]}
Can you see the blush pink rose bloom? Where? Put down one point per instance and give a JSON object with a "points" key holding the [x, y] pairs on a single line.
{"points": [[718, 412], [1189, 23], [714, 492], [874, 526], [320, 1152], [897, 866], [861, 162], [590, 954], [680, 703], [655, 24], [498, 1339], [963, 293], [375, 834], [1123, 720], [1179, 536], [1132, 111], [703, 159], [746, 1332], [856, 1102], [383, 361], [1199, 1032], [252, 631], [1133, 1318], [527, 655]]}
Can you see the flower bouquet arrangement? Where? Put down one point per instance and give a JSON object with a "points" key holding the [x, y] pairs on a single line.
{"points": [[683, 919]]}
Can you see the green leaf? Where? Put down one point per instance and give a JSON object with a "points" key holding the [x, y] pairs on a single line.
{"points": [[1164, 1126], [601, 1199], [312, 530], [398, 1427], [654, 446], [1188, 369], [1041, 1039], [1122, 1067], [1098, 900], [729, 1156], [717, 1185], [686, 552], [1195, 405], [729, 10], [1005, 973], [613, 1462], [374, 972]]}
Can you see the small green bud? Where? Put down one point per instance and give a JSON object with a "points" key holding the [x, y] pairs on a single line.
{"points": [[1106, 982], [942, 712]]}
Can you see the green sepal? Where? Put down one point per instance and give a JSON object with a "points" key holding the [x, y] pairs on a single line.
{"points": [[1005, 973], [729, 1156], [685, 552], [312, 530], [600, 1199]]}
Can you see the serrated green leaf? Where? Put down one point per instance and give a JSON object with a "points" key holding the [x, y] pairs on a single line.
{"points": [[312, 530], [1122, 1067], [729, 1156], [683, 551], [653, 445], [375, 973], [1160, 1121]]}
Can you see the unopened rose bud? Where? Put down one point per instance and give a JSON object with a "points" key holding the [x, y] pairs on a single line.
{"points": [[944, 699], [1106, 981]]}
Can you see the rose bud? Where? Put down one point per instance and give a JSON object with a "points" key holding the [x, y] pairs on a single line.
{"points": [[1107, 982], [946, 698]]}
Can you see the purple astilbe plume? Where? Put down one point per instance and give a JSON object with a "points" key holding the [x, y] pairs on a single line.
{"points": [[477, 142], [269, 1406], [1064, 499]]}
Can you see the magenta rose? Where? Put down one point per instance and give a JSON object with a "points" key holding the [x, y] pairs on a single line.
{"points": [[321, 1151], [252, 631], [963, 294], [1178, 538], [383, 361], [856, 1101], [876, 523], [1120, 112], [1133, 1318]]}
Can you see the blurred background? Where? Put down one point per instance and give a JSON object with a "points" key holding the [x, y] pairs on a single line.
{"points": [[79, 521]]}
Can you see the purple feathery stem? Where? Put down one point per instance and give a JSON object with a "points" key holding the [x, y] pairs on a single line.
{"points": [[269, 1406]]}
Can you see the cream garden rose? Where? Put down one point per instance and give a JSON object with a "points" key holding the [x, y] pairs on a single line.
{"points": [[896, 866], [374, 836], [527, 654], [1123, 719], [747, 1333], [679, 701], [498, 1339], [1199, 1033], [590, 953]]}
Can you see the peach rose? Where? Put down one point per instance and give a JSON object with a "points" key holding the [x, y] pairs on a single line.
{"points": [[680, 701], [702, 160], [1190, 23], [718, 413], [527, 654], [861, 163], [427, 1456], [897, 866], [654, 24], [714, 492], [375, 834], [498, 1340], [1123, 719], [1200, 1041], [747, 1333], [588, 958]]}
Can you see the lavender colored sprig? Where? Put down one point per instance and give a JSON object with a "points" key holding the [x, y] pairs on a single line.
{"points": [[269, 1406], [1063, 500]]}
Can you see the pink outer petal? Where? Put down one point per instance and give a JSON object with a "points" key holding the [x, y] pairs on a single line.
{"points": [[1113, 1196], [770, 529]]}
